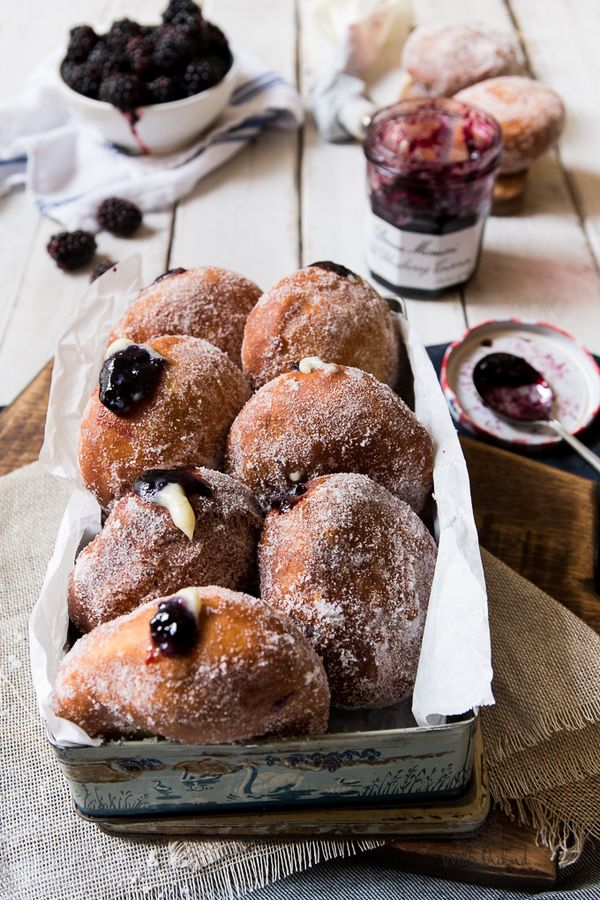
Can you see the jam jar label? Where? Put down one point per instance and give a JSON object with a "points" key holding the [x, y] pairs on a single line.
{"points": [[425, 261]]}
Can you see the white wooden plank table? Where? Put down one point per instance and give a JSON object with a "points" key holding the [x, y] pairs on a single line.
{"points": [[290, 198]]}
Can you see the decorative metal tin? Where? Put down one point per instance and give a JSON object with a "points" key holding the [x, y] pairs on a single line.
{"points": [[152, 777]]}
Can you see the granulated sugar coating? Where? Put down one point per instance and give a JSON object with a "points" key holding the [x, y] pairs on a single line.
{"points": [[352, 565], [251, 673], [140, 553], [183, 423], [209, 303], [320, 311], [322, 422]]}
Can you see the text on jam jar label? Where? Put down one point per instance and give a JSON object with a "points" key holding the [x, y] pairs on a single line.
{"points": [[416, 260]]}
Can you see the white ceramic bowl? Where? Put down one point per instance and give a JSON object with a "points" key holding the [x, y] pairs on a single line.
{"points": [[159, 128]]}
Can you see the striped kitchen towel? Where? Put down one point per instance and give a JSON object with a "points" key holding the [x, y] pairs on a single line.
{"points": [[68, 169]]}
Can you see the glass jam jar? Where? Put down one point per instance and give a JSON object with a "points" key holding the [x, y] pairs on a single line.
{"points": [[431, 167]]}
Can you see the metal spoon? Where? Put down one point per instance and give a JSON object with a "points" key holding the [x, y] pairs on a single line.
{"points": [[517, 392]]}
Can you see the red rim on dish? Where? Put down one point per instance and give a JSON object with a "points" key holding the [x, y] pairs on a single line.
{"points": [[568, 367]]}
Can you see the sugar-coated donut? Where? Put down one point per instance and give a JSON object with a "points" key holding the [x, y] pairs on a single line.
{"points": [[442, 59], [530, 114], [209, 303], [323, 310], [163, 404], [146, 551], [204, 666], [352, 565], [327, 418]]}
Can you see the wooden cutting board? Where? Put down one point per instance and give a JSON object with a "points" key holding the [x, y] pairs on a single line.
{"points": [[540, 521]]}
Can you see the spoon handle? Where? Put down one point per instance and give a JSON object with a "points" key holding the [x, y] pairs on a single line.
{"points": [[587, 454]]}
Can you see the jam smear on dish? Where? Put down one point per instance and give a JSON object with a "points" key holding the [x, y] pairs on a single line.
{"points": [[329, 266], [153, 481], [174, 629], [128, 376], [284, 502]]}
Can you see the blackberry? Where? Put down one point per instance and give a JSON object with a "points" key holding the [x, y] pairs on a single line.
{"points": [[181, 8], [174, 48], [120, 32], [81, 77], [119, 216], [71, 249], [202, 74], [139, 55], [214, 41], [123, 90], [164, 89], [82, 39], [101, 268], [106, 60]]}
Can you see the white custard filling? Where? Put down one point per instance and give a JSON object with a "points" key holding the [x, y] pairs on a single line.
{"points": [[192, 600], [313, 363], [173, 498], [123, 343]]}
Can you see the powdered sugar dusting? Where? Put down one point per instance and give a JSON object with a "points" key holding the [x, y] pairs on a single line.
{"points": [[251, 673], [140, 553], [443, 58], [325, 422], [353, 565], [185, 421], [209, 303], [316, 312]]}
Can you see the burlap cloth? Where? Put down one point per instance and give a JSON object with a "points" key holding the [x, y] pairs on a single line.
{"points": [[542, 742]]}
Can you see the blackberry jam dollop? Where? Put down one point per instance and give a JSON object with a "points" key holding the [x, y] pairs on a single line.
{"points": [[284, 502], [340, 270], [174, 628], [153, 481], [128, 376], [512, 387], [431, 166]]}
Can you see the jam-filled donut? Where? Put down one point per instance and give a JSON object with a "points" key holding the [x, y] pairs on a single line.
{"points": [[323, 310], [442, 59], [209, 303], [327, 418], [178, 526], [205, 665], [352, 565], [530, 114], [167, 403]]}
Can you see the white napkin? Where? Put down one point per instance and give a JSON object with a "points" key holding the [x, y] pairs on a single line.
{"points": [[68, 170], [360, 29]]}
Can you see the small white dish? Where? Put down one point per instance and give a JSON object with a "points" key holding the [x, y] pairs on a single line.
{"points": [[569, 369], [155, 129]]}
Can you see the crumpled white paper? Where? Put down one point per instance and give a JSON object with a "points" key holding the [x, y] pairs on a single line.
{"points": [[454, 673]]}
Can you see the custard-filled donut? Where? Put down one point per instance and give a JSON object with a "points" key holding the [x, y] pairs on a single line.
{"points": [[206, 665], [443, 59], [323, 310], [167, 403], [327, 418], [209, 303], [531, 115], [179, 526], [352, 565]]}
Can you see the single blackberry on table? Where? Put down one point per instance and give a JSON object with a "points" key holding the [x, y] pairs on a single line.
{"points": [[71, 249], [81, 77], [101, 268], [174, 48], [119, 216], [163, 89], [82, 40], [202, 74], [124, 90], [120, 32]]}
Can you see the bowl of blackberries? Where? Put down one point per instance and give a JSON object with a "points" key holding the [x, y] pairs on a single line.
{"points": [[149, 88]]}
